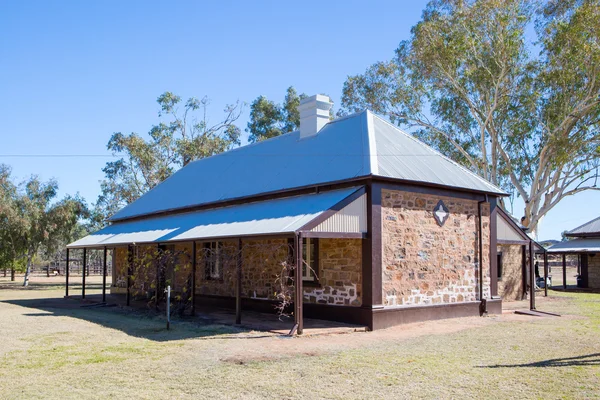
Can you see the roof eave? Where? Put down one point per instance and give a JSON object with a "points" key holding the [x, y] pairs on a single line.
{"points": [[289, 191], [437, 185], [228, 237], [583, 235], [256, 197]]}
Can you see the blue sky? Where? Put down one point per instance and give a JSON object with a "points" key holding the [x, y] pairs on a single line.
{"points": [[74, 72]]}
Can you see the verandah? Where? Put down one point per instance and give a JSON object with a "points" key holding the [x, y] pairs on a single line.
{"points": [[236, 267]]}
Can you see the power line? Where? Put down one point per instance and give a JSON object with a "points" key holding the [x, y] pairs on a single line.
{"points": [[237, 155], [57, 155]]}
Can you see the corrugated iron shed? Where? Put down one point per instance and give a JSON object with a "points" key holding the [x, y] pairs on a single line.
{"points": [[356, 146]]}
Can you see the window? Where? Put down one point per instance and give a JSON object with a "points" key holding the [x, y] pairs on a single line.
{"points": [[213, 262], [310, 256], [499, 267]]}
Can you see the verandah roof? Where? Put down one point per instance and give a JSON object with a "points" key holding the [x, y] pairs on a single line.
{"points": [[587, 245], [277, 216]]}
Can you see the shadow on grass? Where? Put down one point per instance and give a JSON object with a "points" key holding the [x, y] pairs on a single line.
{"points": [[138, 323], [581, 361]]}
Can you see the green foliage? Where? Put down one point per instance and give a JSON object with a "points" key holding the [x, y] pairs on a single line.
{"points": [[468, 83], [184, 135], [31, 219], [268, 119]]}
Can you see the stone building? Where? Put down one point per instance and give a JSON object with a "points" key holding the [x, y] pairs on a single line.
{"points": [[514, 257], [584, 241], [390, 230]]}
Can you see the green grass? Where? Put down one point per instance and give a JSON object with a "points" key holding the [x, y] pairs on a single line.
{"points": [[108, 354]]}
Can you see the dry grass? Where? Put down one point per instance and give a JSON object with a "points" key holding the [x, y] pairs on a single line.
{"points": [[105, 353]]}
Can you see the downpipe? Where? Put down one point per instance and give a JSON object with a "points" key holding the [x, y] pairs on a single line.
{"points": [[483, 304]]}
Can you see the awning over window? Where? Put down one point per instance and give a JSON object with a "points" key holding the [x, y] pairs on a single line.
{"points": [[277, 216], [509, 232]]}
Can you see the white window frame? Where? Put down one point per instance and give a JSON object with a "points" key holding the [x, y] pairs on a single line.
{"points": [[213, 260], [308, 275]]}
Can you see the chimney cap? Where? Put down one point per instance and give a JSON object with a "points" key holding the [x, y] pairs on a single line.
{"points": [[322, 101]]}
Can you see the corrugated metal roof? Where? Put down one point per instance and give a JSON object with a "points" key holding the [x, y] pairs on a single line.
{"points": [[402, 156], [588, 245], [284, 215], [359, 145], [588, 228]]}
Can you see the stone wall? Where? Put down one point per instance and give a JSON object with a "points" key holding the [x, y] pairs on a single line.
{"points": [[594, 271], [340, 273], [510, 285], [262, 266], [120, 281], [340, 267], [143, 279], [424, 263]]}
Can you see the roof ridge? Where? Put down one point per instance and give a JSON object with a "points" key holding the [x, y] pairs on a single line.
{"points": [[372, 141], [438, 153]]}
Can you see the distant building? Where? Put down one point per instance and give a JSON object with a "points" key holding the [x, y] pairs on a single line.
{"points": [[584, 241]]}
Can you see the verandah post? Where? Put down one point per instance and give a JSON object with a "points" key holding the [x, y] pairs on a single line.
{"points": [[83, 273], [104, 276], [524, 271], [299, 295], [545, 274], [531, 276], [564, 260], [194, 262], [157, 278], [238, 285], [129, 262], [67, 275]]}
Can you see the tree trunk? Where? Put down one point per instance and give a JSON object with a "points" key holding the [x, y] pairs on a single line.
{"points": [[27, 271], [12, 274], [4, 272]]}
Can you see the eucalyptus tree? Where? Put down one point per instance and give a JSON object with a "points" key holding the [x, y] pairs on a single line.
{"points": [[32, 219], [8, 222], [184, 134], [508, 88], [269, 119]]}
